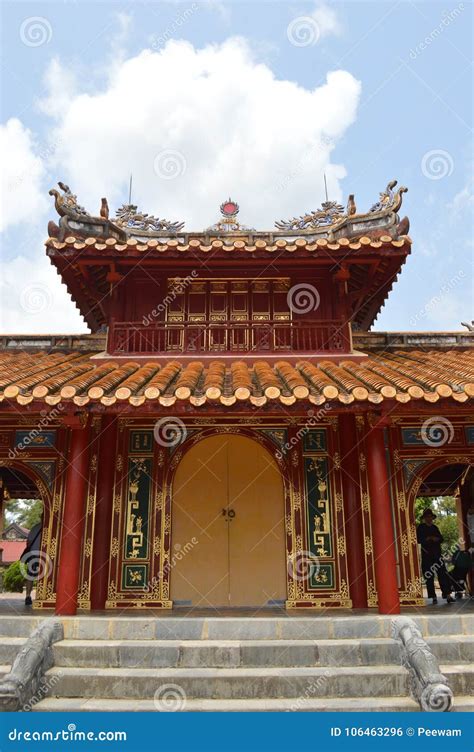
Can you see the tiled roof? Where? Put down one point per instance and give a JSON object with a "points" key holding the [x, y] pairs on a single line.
{"points": [[11, 550], [269, 244], [400, 374]]}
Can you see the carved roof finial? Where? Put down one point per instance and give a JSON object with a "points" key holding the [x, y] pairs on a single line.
{"points": [[229, 222]]}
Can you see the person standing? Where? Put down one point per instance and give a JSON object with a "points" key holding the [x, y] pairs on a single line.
{"points": [[31, 559], [430, 539], [462, 562]]}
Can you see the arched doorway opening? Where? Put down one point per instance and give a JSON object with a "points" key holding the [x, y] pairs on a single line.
{"points": [[23, 516], [228, 527], [448, 489]]}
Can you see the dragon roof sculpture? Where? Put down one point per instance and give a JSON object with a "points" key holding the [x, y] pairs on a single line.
{"points": [[332, 214], [128, 216], [74, 219]]}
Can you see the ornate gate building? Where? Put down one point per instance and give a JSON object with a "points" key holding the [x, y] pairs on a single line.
{"points": [[231, 434]]}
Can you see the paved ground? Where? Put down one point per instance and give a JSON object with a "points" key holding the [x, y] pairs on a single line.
{"points": [[12, 604]]}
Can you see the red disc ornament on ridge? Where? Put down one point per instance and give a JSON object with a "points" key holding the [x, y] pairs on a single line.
{"points": [[229, 208]]}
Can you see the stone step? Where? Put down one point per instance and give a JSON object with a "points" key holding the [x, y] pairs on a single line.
{"points": [[18, 626], [229, 683], [235, 653], [290, 627], [462, 704], [4, 670], [277, 705], [9, 647]]}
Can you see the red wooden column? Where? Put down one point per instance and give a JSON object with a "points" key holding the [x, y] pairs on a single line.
{"points": [[352, 511], [103, 512], [382, 525], [2, 494], [72, 529]]}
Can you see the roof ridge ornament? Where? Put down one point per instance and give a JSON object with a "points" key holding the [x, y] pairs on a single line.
{"points": [[388, 199], [127, 216], [331, 213], [229, 222], [66, 203]]}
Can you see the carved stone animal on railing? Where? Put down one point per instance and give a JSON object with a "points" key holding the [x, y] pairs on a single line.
{"points": [[24, 686], [428, 686]]}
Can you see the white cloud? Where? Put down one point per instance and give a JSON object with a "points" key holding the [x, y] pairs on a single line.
{"points": [[60, 82], [462, 203], [327, 20], [34, 300], [229, 125], [232, 126], [23, 170]]}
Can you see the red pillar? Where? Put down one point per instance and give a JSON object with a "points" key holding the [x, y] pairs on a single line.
{"points": [[103, 512], [353, 511], [382, 524], [72, 529], [2, 494]]}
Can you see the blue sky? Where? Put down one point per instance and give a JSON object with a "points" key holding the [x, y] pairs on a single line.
{"points": [[82, 102]]}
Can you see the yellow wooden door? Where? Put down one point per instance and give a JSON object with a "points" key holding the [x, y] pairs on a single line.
{"points": [[199, 545], [228, 497], [257, 530]]}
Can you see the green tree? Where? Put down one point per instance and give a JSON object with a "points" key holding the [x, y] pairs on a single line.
{"points": [[25, 512], [13, 580]]}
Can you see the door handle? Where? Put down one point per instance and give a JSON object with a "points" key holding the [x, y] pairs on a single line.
{"points": [[228, 513]]}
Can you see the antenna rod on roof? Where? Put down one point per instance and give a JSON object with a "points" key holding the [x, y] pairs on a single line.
{"points": [[130, 191], [326, 186]]}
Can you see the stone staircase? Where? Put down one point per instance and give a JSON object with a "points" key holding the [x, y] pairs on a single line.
{"points": [[276, 663]]}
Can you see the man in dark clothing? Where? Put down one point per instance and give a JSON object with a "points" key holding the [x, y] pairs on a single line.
{"points": [[432, 563], [462, 564], [31, 559]]}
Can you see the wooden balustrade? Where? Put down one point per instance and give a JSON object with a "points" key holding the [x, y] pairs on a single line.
{"points": [[258, 337]]}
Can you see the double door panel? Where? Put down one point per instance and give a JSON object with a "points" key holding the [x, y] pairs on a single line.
{"points": [[228, 526]]}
